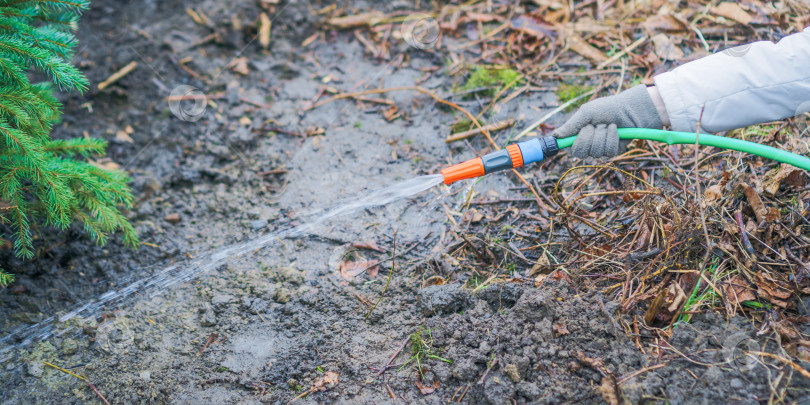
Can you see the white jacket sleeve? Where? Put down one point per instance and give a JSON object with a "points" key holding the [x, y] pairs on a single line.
{"points": [[746, 85]]}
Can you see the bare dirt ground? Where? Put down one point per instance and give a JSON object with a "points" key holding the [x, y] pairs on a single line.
{"points": [[283, 321]]}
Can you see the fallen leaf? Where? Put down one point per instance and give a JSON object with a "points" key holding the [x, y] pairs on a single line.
{"points": [[609, 388], [427, 389], [560, 329], [358, 20], [665, 47], [239, 65], [532, 26], [786, 173], [312, 131], [737, 290], [123, 137], [732, 11], [264, 30], [366, 245], [663, 23], [775, 291], [713, 193], [327, 381], [434, 280], [756, 202], [391, 113], [349, 270], [578, 45]]}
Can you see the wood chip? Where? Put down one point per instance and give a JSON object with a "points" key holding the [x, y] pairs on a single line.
{"points": [[358, 20], [117, 75], [264, 30]]}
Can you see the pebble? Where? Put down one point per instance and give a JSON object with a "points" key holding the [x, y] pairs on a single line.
{"points": [[282, 296], [35, 369], [172, 218], [208, 317], [220, 301], [145, 375], [512, 372], [258, 224], [291, 275]]}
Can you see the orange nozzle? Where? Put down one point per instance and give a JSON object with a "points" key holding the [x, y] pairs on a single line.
{"points": [[465, 170]]}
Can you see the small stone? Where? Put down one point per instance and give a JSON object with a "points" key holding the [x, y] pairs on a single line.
{"points": [[512, 372], [172, 218], [208, 317], [145, 375], [282, 296], [258, 224], [35, 369], [146, 209], [220, 301], [292, 275], [69, 346]]}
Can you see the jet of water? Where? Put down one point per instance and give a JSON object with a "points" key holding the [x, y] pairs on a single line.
{"points": [[179, 273]]}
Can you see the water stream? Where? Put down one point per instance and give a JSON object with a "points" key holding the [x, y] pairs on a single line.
{"points": [[182, 272]]}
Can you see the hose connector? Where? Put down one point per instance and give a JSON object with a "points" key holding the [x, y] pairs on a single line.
{"points": [[513, 156]]}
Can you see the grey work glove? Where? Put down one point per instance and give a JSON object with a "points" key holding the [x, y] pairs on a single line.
{"points": [[596, 122]]}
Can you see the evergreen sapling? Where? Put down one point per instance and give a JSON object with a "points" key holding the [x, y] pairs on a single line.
{"points": [[43, 180]]}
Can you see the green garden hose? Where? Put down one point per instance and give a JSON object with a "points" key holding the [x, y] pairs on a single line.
{"points": [[674, 138], [535, 150]]}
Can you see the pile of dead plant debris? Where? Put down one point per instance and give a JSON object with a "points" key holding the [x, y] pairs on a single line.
{"points": [[668, 231]]}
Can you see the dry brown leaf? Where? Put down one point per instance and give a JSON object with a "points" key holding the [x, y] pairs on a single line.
{"points": [[732, 11], [773, 214], [366, 245], [349, 269], [123, 137], [737, 290], [239, 65], [610, 390], [665, 47], [560, 329], [312, 131], [756, 202], [713, 193], [264, 30], [434, 280], [427, 389], [358, 20], [663, 23], [777, 292], [391, 113], [327, 381], [787, 173], [578, 45], [532, 26]]}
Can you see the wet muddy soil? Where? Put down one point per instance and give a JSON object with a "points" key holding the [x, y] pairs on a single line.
{"points": [[270, 325]]}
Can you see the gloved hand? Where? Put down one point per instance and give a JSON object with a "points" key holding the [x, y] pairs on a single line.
{"points": [[596, 122]]}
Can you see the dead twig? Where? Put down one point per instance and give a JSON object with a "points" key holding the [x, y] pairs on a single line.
{"points": [[117, 75], [81, 377], [491, 127], [390, 275]]}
